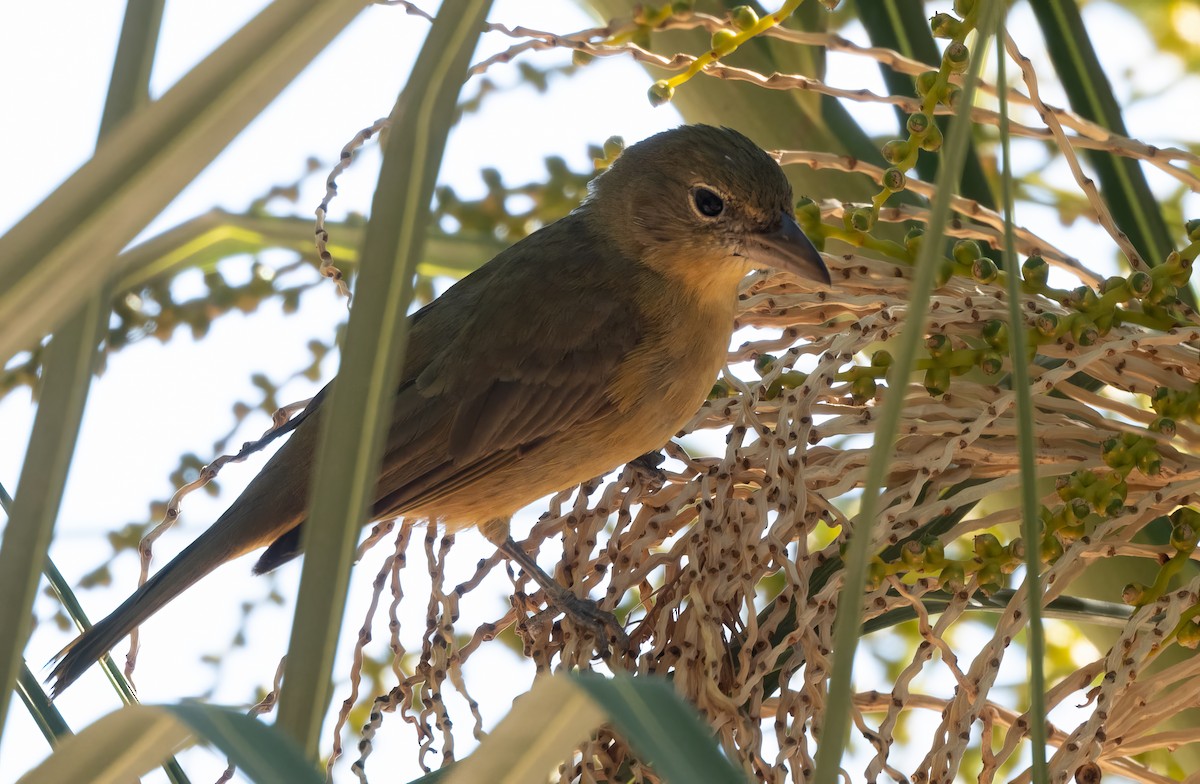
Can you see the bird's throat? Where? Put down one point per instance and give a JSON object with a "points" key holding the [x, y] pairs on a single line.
{"points": [[684, 348]]}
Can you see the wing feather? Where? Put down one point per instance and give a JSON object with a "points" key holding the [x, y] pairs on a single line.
{"points": [[508, 372]]}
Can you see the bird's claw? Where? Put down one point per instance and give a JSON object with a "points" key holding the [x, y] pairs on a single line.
{"points": [[603, 625], [647, 467]]}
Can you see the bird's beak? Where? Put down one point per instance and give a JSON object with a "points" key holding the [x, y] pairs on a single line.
{"points": [[788, 249]]}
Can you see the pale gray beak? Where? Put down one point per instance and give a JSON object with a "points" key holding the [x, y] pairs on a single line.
{"points": [[787, 249]]}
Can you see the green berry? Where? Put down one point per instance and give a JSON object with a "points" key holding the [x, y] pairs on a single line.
{"points": [[991, 578], [661, 92], [1141, 284], [937, 381], [918, 123], [952, 578], [988, 547], [613, 147], [995, 332], [1161, 398], [860, 219], [1072, 532], [912, 553], [894, 179], [1163, 293], [896, 151], [938, 345], [944, 273], [1015, 552], [1034, 272], [808, 215], [1189, 635], [744, 17], [1114, 283], [1164, 425], [863, 389], [723, 42], [1047, 324], [912, 240], [966, 252], [1184, 537], [876, 574], [984, 270], [935, 553], [925, 82], [1120, 491], [945, 26], [1084, 331], [932, 140], [1051, 549], [1133, 594], [1085, 296], [957, 56], [1149, 462]]}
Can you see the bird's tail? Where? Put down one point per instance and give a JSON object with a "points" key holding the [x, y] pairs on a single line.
{"points": [[173, 579], [271, 505]]}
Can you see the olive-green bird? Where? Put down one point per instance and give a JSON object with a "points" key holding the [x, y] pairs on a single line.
{"points": [[583, 346]]}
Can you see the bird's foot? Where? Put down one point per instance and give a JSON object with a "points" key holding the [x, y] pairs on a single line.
{"points": [[647, 468], [604, 627], [587, 615]]}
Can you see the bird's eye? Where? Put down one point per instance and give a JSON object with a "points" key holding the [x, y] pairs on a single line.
{"points": [[707, 203]]}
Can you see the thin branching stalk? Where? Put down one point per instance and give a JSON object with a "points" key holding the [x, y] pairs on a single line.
{"points": [[1030, 522]]}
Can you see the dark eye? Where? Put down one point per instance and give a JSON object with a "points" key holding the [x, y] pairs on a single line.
{"points": [[707, 202]]}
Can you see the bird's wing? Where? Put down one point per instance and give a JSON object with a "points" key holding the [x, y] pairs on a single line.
{"points": [[525, 350]]}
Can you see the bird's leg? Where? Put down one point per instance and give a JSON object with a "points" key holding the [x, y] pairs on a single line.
{"points": [[647, 466], [585, 612], [603, 625]]}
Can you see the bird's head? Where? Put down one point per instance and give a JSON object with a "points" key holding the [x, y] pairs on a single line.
{"points": [[706, 203]]}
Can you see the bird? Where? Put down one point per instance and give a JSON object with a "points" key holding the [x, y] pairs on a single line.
{"points": [[583, 346]]}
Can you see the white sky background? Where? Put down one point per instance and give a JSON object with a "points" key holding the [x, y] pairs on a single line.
{"points": [[157, 401]]}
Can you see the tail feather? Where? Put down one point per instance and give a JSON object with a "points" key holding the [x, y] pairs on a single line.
{"points": [[91, 645], [270, 506], [194, 562]]}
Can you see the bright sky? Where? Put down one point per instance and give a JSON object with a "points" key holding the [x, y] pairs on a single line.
{"points": [[155, 401]]}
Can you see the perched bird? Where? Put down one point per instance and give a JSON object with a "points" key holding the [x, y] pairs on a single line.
{"points": [[583, 346]]}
